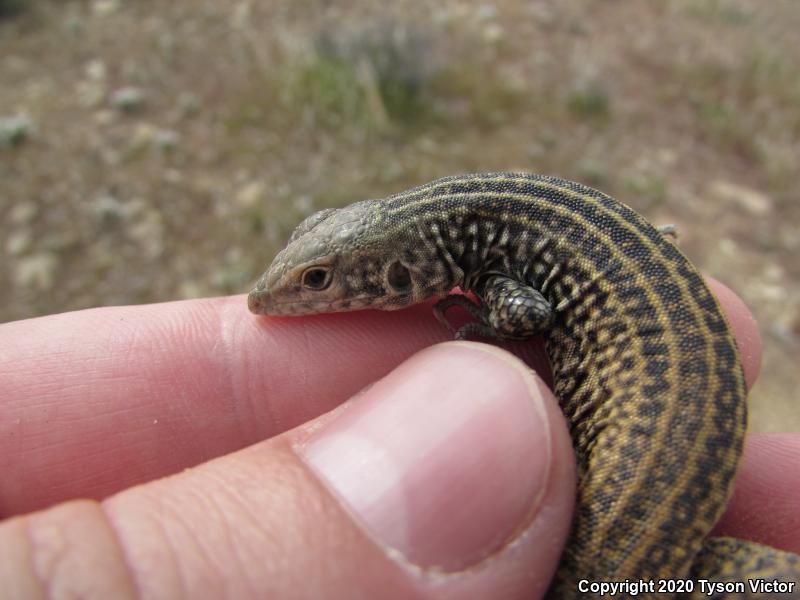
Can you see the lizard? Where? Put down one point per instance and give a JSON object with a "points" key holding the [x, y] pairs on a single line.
{"points": [[644, 364]]}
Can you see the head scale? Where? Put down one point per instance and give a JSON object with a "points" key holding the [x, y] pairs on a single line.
{"points": [[336, 260]]}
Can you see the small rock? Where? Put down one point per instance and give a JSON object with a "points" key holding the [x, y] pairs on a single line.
{"points": [[147, 136], [109, 210], [90, 93], [23, 213], [96, 70], [492, 33], [188, 104], [251, 194], [103, 8], [148, 232], [666, 157], [773, 293], [104, 117], [728, 247], [486, 12], [128, 99], [166, 140], [15, 130], [753, 201], [303, 203], [19, 242], [36, 272], [173, 176], [774, 273], [784, 333], [242, 15], [142, 137]]}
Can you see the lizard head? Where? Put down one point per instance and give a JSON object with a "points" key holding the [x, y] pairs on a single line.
{"points": [[336, 260]]}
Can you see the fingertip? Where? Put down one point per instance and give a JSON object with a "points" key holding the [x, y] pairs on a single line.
{"points": [[744, 327], [763, 507]]}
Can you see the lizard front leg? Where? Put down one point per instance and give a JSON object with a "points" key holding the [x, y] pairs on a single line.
{"points": [[508, 310]]}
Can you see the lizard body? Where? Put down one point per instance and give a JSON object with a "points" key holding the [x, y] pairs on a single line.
{"points": [[645, 366]]}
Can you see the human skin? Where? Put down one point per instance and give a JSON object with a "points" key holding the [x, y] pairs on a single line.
{"points": [[104, 404]]}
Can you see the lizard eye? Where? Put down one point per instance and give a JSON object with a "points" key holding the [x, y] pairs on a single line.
{"points": [[316, 278], [399, 277]]}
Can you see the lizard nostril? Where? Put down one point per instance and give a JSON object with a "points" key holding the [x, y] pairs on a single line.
{"points": [[254, 299]]}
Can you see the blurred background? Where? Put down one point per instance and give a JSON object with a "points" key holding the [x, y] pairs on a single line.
{"points": [[164, 149]]}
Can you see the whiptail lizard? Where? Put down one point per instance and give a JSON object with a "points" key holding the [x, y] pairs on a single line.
{"points": [[644, 364]]}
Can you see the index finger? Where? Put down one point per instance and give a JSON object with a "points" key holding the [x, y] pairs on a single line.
{"points": [[99, 400]]}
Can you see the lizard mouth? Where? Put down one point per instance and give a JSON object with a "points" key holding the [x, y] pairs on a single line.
{"points": [[261, 302], [258, 301]]}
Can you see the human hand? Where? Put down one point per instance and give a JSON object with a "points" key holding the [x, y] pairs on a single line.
{"points": [[465, 458]]}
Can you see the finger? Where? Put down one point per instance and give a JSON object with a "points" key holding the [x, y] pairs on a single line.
{"points": [[98, 400], [764, 507], [141, 392], [744, 327], [395, 494]]}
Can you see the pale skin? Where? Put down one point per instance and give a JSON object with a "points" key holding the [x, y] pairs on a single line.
{"points": [[93, 403]]}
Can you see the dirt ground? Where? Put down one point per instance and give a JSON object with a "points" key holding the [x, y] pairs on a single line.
{"points": [[157, 150]]}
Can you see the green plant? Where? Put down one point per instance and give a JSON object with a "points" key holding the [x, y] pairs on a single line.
{"points": [[378, 76], [589, 102], [329, 86]]}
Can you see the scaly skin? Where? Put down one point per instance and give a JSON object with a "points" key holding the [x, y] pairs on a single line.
{"points": [[644, 364]]}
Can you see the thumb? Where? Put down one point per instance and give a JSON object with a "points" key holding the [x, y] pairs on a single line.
{"points": [[450, 477]]}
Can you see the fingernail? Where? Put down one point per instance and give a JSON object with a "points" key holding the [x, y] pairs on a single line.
{"points": [[444, 460]]}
